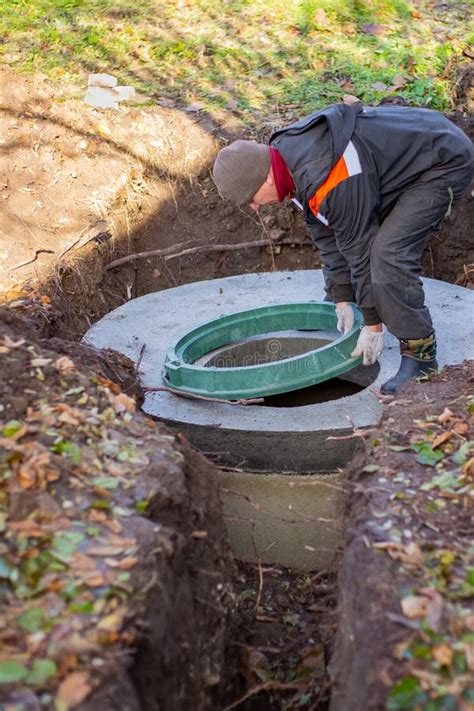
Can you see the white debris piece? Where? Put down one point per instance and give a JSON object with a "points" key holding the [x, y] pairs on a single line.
{"points": [[101, 98], [124, 92], [106, 80], [103, 92]]}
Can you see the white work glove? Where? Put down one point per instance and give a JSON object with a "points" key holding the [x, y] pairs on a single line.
{"points": [[345, 317], [369, 345]]}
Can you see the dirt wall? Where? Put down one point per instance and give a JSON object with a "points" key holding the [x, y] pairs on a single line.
{"points": [[114, 565]]}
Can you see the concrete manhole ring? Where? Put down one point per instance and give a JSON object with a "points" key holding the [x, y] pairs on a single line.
{"points": [[300, 439]]}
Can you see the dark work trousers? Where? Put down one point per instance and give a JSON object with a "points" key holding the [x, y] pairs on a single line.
{"points": [[397, 248]]}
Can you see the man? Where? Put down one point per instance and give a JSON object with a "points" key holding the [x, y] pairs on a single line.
{"points": [[373, 184]]}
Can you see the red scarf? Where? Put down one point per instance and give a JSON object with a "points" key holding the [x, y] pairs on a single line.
{"points": [[282, 176]]}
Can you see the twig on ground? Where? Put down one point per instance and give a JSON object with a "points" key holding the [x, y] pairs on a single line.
{"points": [[193, 396], [248, 499], [260, 571], [140, 357], [266, 686], [275, 650], [324, 687], [356, 433], [381, 398], [169, 253]]}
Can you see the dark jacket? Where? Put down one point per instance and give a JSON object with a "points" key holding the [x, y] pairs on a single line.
{"points": [[349, 165]]}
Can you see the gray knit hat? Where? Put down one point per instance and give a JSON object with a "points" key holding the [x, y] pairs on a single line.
{"points": [[240, 170]]}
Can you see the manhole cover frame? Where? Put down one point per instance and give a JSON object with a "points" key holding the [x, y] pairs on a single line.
{"points": [[251, 381]]}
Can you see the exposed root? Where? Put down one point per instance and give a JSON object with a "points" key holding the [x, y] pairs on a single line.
{"points": [[170, 253], [193, 396]]}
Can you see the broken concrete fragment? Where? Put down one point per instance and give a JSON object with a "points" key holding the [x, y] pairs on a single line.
{"points": [[104, 80], [124, 92], [103, 92], [101, 98]]}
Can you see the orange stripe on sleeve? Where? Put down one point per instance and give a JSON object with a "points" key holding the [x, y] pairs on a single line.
{"points": [[337, 174]]}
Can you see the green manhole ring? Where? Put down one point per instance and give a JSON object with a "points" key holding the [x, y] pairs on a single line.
{"points": [[263, 379]]}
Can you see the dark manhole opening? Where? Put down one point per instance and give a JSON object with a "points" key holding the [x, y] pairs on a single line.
{"points": [[266, 349], [322, 392]]}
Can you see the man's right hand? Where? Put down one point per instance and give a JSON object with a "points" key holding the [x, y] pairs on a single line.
{"points": [[345, 317]]}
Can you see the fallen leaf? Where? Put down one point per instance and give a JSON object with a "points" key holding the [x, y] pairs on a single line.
{"points": [[460, 428], [74, 689], [434, 612], [112, 622], [254, 662], [414, 606], [38, 362], [117, 540], [469, 652], [127, 562], [95, 580], [379, 86], [442, 654], [109, 384], [21, 432], [105, 550], [409, 554], [97, 516], [68, 663], [445, 416], [64, 364], [399, 81], [67, 419], [83, 563], [114, 525], [442, 438], [468, 469], [37, 470], [123, 402], [469, 622], [13, 344], [11, 671], [315, 658]]}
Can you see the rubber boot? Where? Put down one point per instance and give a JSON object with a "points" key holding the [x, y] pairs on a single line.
{"points": [[418, 360]]}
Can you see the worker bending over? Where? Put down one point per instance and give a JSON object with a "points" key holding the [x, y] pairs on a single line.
{"points": [[373, 184]]}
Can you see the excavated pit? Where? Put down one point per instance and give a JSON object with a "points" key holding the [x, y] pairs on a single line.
{"points": [[82, 291], [270, 446]]}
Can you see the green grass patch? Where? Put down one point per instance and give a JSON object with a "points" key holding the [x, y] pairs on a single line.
{"points": [[260, 57]]}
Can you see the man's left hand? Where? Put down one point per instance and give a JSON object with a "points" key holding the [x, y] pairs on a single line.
{"points": [[369, 344]]}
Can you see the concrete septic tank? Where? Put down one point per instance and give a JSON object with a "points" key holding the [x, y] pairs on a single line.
{"points": [[288, 434], [266, 438]]}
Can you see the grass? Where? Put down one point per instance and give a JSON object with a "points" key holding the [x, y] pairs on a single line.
{"points": [[259, 57]]}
